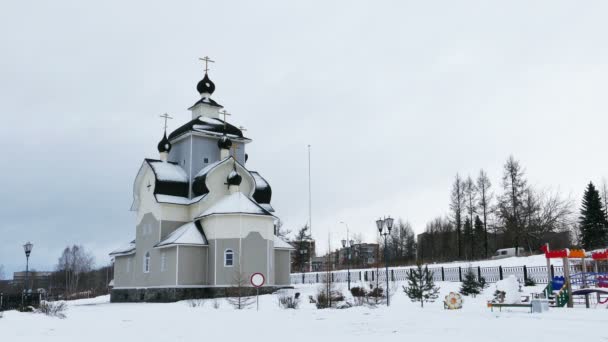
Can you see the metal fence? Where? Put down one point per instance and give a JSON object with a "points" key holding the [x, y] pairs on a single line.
{"points": [[538, 274], [16, 301]]}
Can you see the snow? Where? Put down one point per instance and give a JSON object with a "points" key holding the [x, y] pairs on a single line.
{"points": [[267, 206], [169, 172], [260, 183], [97, 320], [280, 243], [125, 250], [510, 286], [187, 234], [233, 204], [177, 200]]}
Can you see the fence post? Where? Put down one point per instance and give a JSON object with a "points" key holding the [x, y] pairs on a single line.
{"points": [[392, 275], [317, 277], [372, 275], [333, 279], [302, 277], [478, 273], [552, 273], [459, 273], [500, 272], [525, 274], [442, 274]]}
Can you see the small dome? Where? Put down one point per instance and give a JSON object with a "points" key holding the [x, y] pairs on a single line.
{"points": [[164, 145], [234, 178], [205, 86], [224, 143]]}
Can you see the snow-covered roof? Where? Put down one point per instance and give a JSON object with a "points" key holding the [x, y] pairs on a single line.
{"points": [[236, 203], [124, 250], [160, 198], [281, 244], [168, 172], [188, 234], [267, 206]]}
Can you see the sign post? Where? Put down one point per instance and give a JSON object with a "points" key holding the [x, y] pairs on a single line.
{"points": [[257, 280]]}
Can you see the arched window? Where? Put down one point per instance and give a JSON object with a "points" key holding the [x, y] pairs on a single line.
{"points": [[228, 258], [147, 262]]}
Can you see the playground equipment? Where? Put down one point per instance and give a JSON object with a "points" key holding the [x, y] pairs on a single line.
{"points": [[559, 290]]}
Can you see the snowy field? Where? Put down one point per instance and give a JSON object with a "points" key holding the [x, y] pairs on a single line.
{"points": [[97, 320]]}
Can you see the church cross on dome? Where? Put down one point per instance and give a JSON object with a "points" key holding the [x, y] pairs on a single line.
{"points": [[224, 113], [165, 116], [207, 60]]}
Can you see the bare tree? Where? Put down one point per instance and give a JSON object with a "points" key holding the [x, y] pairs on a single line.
{"points": [[457, 205], [73, 262], [484, 203], [1, 272], [238, 293], [281, 231], [470, 195], [605, 196]]}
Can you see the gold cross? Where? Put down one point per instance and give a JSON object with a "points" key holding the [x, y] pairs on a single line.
{"points": [[166, 116], [207, 61]]}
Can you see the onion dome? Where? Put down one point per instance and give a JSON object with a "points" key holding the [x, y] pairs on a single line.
{"points": [[234, 178], [205, 86], [164, 145], [224, 143]]}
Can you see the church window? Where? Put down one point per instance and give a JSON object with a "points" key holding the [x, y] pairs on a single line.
{"points": [[163, 261], [228, 258], [206, 160], [147, 262]]}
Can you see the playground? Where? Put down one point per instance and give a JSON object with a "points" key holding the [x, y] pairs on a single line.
{"points": [[585, 278]]}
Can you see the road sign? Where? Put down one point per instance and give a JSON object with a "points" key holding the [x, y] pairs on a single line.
{"points": [[257, 280]]}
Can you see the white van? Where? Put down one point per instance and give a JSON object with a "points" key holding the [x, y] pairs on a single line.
{"points": [[507, 253]]}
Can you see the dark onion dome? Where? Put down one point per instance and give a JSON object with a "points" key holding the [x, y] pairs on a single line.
{"points": [[207, 125], [263, 192], [224, 143], [234, 178], [170, 178], [164, 145], [205, 86]]}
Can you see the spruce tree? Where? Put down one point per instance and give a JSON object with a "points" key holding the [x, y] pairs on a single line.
{"points": [[468, 238], [421, 286], [479, 238], [470, 284], [592, 222]]}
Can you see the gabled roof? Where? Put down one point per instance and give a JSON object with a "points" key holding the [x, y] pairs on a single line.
{"points": [[124, 250], [281, 244], [204, 124], [189, 234], [235, 204]]}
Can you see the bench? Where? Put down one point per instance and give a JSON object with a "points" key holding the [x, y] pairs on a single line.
{"points": [[500, 306]]}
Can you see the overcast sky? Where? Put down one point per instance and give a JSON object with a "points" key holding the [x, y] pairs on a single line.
{"points": [[394, 97]]}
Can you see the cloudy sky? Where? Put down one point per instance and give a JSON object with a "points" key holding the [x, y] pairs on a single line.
{"points": [[394, 97]]}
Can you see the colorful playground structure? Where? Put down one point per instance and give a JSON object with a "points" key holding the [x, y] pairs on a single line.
{"points": [[562, 290]]}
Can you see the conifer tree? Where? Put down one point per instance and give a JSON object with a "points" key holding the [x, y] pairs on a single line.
{"points": [[592, 222], [479, 238], [470, 284], [421, 287], [468, 238]]}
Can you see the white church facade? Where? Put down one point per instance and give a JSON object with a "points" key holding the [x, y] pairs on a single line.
{"points": [[204, 221]]}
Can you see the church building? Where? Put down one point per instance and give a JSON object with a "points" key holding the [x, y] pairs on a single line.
{"points": [[204, 221]]}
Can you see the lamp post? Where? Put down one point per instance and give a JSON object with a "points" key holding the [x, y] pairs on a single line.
{"points": [[302, 253], [384, 228], [347, 244], [28, 250]]}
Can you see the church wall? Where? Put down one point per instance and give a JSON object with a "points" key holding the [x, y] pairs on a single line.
{"points": [[282, 266], [123, 275], [254, 253], [180, 154], [203, 147], [168, 227], [192, 266]]}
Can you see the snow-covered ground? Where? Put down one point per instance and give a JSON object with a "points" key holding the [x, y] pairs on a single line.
{"points": [[97, 320]]}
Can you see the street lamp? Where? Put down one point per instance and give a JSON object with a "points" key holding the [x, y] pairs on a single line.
{"points": [[384, 228], [347, 244], [302, 253], [28, 250]]}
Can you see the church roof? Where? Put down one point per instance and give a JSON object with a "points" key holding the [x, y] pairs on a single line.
{"points": [[263, 192], [171, 179], [207, 125], [235, 204], [281, 244], [188, 234], [160, 198], [124, 250]]}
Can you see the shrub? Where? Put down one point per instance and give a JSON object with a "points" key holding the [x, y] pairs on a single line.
{"points": [[530, 282], [358, 291], [195, 303], [289, 302], [325, 301], [54, 309], [216, 304]]}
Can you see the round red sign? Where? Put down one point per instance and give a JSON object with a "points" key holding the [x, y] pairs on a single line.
{"points": [[257, 280]]}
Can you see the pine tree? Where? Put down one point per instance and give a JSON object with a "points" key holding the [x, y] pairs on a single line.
{"points": [[468, 238], [470, 284], [479, 238], [421, 286], [592, 222]]}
